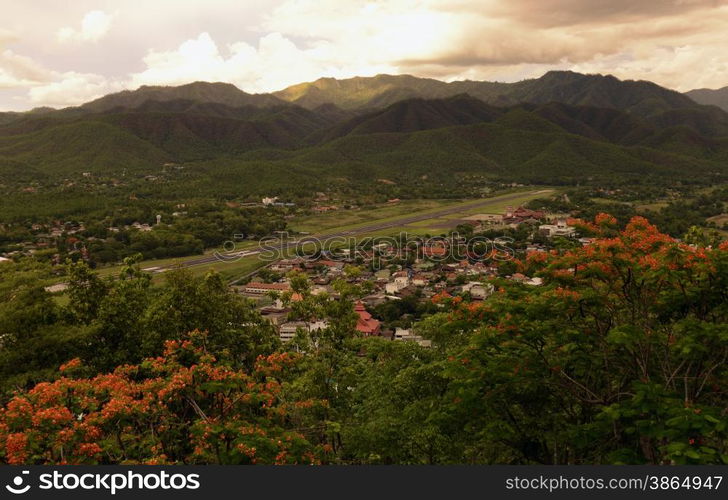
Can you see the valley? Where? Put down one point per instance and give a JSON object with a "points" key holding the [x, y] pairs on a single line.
{"points": [[497, 273]]}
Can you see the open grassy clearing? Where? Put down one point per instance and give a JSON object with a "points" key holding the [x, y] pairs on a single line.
{"points": [[498, 206], [350, 219], [229, 270], [651, 207], [719, 220], [171, 261]]}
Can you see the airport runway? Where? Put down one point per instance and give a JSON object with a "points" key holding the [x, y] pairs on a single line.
{"points": [[370, 228]]}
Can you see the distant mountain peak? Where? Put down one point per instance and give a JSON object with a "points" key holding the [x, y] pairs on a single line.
{"points": [[710, 97], [565, 86], [199, 91]]}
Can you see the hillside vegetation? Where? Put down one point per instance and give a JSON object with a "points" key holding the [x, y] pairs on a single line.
{"points": [[562, 128]]}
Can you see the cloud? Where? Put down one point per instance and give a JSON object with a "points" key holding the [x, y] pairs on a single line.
{"points": [[94, 26], [7, 36], [71, 88], [378, 32], [566, 13], [51, 88], [267, 46], [676, 43], [275, 62], [20, 71]]}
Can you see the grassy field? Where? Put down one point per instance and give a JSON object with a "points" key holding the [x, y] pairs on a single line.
{"points": [[326, 223], [152, 263], [350, 219], [719, 220], [500, 206], [442, 225], [651, 207], [231, 270]]}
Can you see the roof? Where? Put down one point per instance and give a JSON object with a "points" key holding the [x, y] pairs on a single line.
{"points": [[366, 324], [268, 286], [430, 251], [328, 263]]}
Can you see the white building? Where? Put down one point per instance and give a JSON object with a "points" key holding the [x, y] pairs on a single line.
{"points": [[287, 331], [257, 288], [399, 283], [479, 290], [406, 335], [558, 229]]}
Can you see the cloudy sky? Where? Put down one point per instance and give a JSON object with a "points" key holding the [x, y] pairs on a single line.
{"points": [[64, 53]]}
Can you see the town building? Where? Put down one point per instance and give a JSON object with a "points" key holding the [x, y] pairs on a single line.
{"points": [[257, 288], [558, 229], [366, 324]]}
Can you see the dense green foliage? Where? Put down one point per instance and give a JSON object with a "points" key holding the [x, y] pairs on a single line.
{"points": [[620, 357], [108, 322]]}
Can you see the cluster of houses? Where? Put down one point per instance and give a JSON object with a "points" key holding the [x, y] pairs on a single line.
{"points": [[422, 270], [45, 236], [423, 280], [388, 271], [556, 223], [48, 236]]}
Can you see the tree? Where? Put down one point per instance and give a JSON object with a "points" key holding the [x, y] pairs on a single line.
{"points": [[184, 407], [619, 358], [118, 331], [187, 303], [34, 337], [86, 292], [397, 413]]}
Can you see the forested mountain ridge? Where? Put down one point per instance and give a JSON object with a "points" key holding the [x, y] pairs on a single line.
{"points": [[714, 97], [562, 127], [555, 86], [218, 92]]}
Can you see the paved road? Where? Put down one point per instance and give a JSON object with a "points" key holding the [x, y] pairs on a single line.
{"points": [[376, 226]]}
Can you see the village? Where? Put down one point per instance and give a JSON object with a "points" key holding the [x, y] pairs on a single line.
{"points": [[406, 270], [399, 275]]}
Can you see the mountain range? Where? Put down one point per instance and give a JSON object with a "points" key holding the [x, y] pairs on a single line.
{"points": [[711, 97], [564, 127]]}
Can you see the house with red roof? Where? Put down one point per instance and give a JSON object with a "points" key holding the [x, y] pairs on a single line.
{"points": [[434, 251], [367, 325]]}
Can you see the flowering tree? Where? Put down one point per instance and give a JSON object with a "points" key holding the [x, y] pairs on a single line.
{"points": [[619, 357], [182, 407]]}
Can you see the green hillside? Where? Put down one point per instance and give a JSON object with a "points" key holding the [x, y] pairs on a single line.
{"points": [[221, 93], [231, 144], [87, 145], [639, 97], [510, 148]]}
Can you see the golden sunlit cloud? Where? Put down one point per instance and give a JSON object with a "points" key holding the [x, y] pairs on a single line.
{"points": [[94, 26], [70, 55]]}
